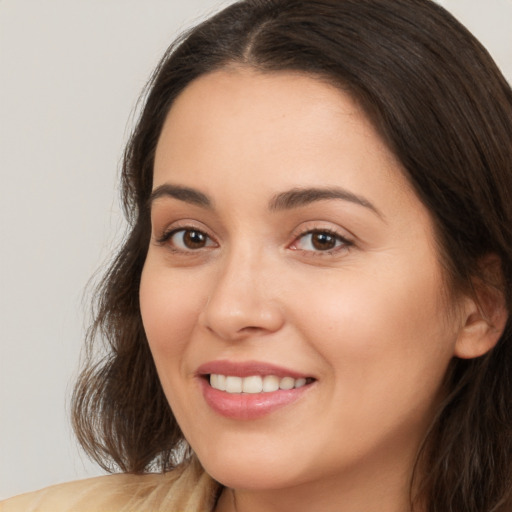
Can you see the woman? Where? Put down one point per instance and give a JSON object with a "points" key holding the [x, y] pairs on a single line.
{"points": [[311, 309]]}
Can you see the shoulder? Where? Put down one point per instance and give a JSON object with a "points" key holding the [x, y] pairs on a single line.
{"points": [[95, 493], [187, 488]]}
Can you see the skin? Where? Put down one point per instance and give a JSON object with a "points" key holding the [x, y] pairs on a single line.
{"points": [[368, 319]]}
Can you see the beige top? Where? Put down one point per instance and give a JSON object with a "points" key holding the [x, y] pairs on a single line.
{"points": [[185, 489]]}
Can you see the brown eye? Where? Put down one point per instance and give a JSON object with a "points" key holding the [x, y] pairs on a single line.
{"points": [[194, 239], [323, 241], [318, 241], [189, 239]]}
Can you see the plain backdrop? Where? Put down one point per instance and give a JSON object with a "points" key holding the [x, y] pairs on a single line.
{"points": [[70, 74]]}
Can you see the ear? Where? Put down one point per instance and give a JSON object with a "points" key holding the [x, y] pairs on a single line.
{"points": [[485, 313]]}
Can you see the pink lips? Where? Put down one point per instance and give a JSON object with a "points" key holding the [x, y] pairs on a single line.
{"points": [[246, 406], [246, 369]]}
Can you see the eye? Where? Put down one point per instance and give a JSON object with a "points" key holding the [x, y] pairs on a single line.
{"points": [[320, 240], [187, 239]]}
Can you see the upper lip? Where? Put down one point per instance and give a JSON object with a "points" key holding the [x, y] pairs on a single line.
{"points": [[247, 369]]}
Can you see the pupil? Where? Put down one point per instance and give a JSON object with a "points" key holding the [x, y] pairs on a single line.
{"points": [[323, 241], [194, 239]]}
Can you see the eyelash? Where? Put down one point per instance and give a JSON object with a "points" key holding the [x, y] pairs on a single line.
{"points": [[344, 243]]}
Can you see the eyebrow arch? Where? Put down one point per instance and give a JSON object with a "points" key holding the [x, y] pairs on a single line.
{"points": [[298, 197], [294, 198], [189, 195]]}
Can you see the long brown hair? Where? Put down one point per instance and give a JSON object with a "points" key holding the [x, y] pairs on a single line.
{"points": [[445, 110]]}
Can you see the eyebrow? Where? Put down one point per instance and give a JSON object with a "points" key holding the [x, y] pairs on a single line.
{"points": [[294, 198], [186, 194], [298, 197]]}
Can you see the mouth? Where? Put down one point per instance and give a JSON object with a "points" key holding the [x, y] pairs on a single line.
{"points": [[251, 390]]}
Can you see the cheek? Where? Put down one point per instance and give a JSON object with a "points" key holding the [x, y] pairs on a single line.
{"points": [[386, 328], [169, 311], [388, 350]]}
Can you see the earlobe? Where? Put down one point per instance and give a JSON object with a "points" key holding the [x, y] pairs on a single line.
{"points": [[485, 315]]}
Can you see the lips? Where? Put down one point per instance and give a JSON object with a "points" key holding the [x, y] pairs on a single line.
{"points": [[250, 390]]}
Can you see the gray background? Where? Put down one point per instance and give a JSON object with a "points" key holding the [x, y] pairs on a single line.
{"points": [[70, 75]]}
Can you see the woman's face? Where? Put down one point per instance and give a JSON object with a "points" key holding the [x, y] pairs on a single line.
{"points": [[288, 250]]}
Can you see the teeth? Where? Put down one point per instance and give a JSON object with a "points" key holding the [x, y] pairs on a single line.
{"points": [[254, 383], [221, 382], [298, 383], [287, 383], [233, 384], [270, 383], [218, 381]]}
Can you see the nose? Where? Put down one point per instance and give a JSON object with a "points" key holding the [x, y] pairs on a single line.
{"points": [[242, 302]]}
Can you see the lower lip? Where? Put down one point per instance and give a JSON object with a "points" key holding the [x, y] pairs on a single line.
{"points": [[249, 406]]}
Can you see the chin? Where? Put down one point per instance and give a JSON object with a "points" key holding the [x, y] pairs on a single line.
{"points": [[249, 477], [252, 468]]}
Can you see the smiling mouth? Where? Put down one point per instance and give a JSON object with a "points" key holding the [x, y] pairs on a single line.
{"points": [[254, 384], [252, 396]]}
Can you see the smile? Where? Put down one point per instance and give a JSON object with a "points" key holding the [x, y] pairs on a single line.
{"points": [[254, 383], [251, 390]]}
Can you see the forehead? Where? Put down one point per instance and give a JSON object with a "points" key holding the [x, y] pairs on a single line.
{"points": [[236, 96], [267, 108], [241, 127]]}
